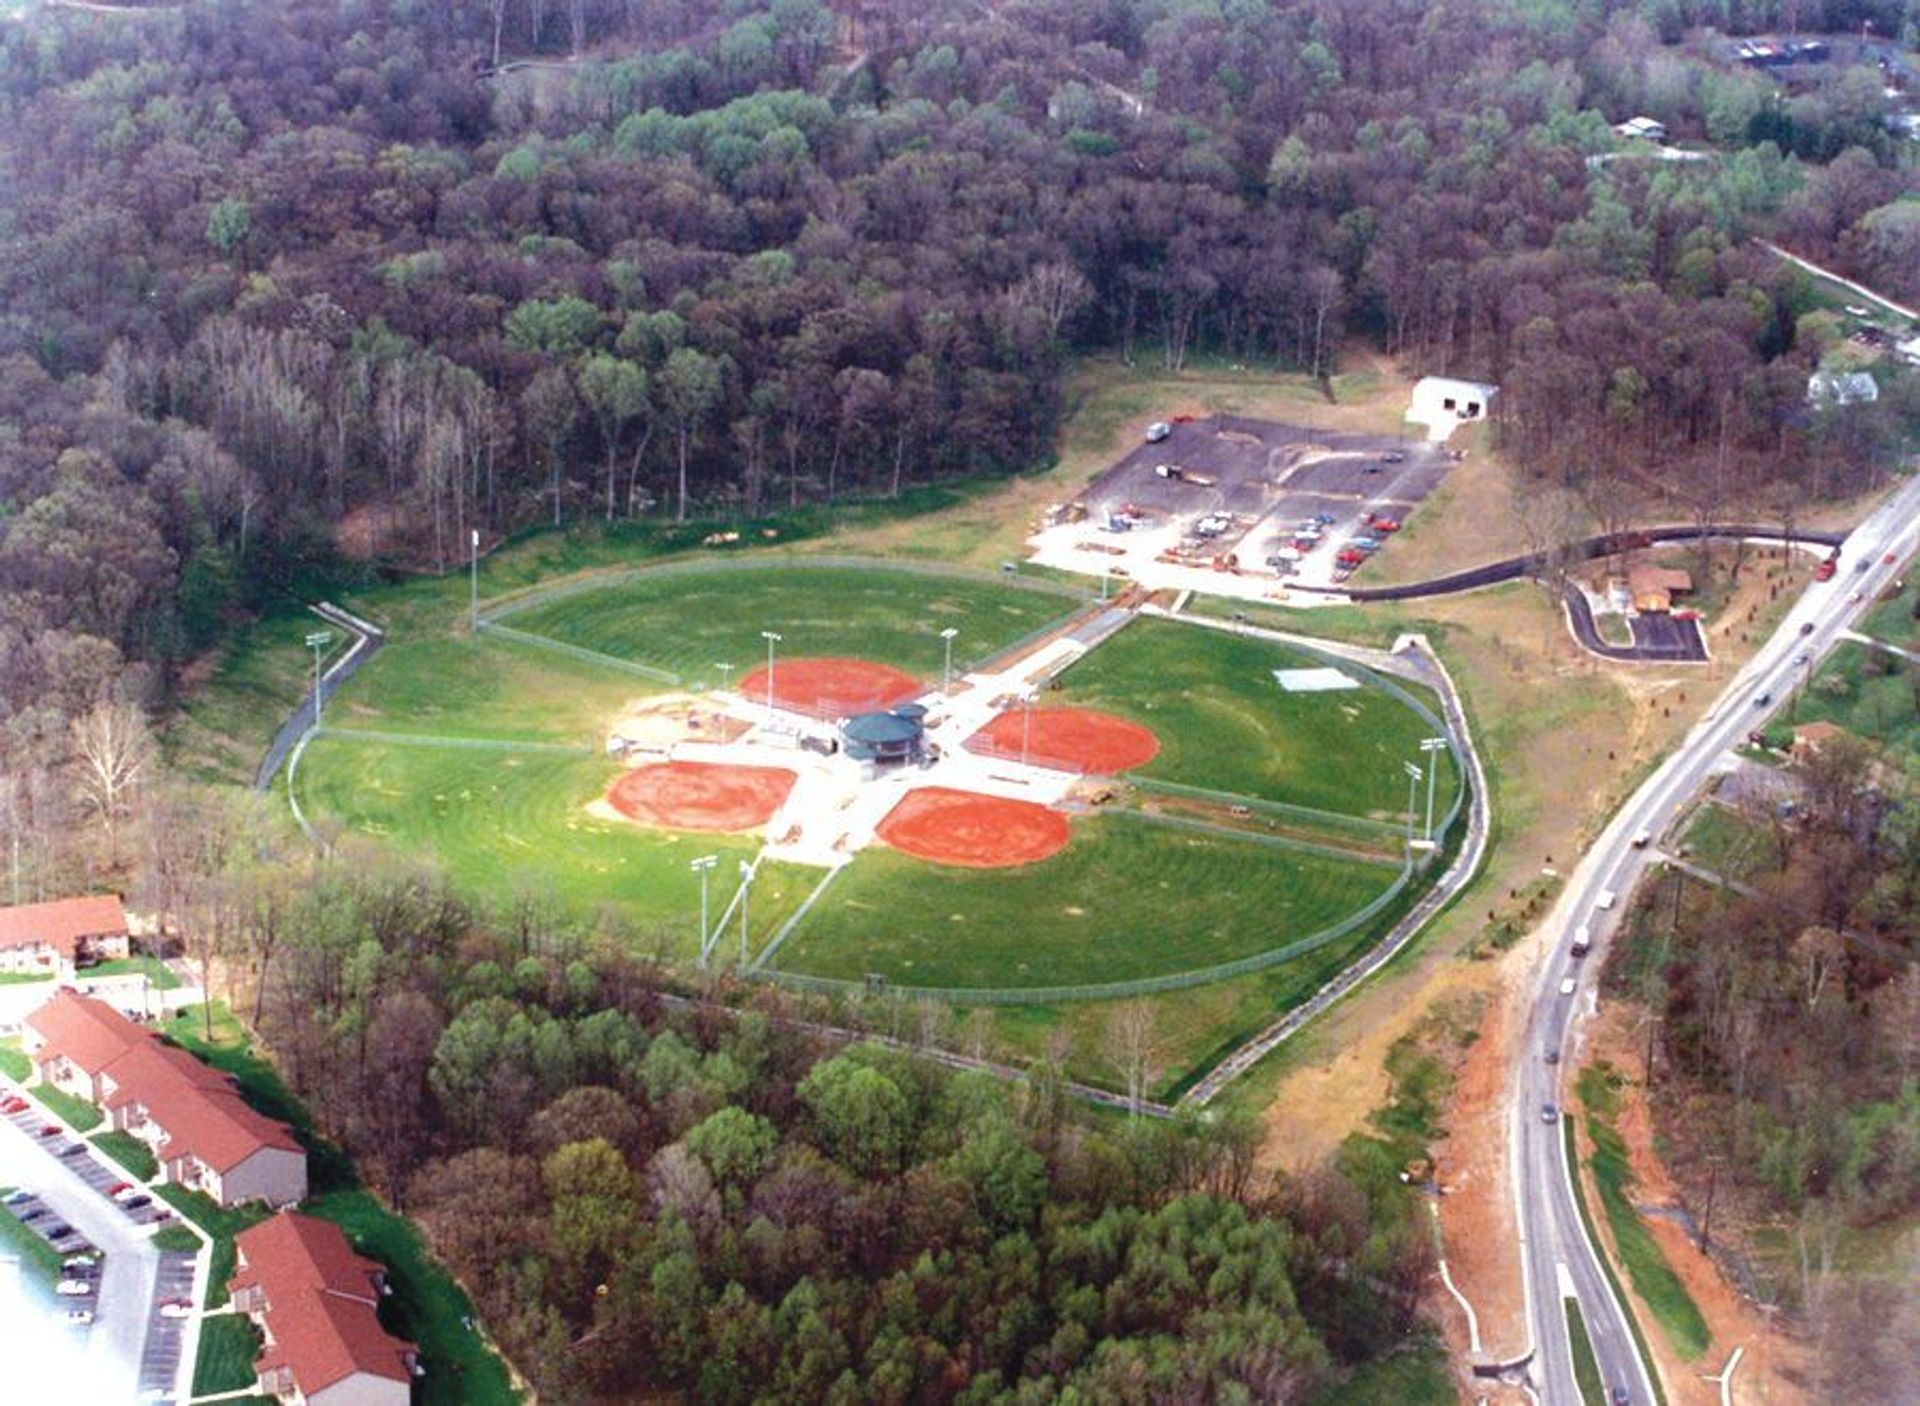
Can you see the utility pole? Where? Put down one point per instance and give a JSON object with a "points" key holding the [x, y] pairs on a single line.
{"points": [[473, 608]]}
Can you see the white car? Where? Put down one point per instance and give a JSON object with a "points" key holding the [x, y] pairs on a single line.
{"points": [[74, 1288], [80, 1315], [1158, 431], [176, 1308]]}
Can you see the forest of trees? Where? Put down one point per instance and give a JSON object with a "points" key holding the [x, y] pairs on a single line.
{"points": [[1784, 1036], [643, 1190]]}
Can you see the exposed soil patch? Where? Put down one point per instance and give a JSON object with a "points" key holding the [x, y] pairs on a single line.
{"points": [[1478, 1235], [971, 830], [1773, 1368], [831, 688], [1068, 739], [701, 795]]}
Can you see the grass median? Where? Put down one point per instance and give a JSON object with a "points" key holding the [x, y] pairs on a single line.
{"points": [[1653, 1279], [1586, 1367]]}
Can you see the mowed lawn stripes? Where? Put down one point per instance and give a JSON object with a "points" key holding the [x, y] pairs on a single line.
{"points": [[690, 622], [1123, 900], [503, 824], [1226, 725]]}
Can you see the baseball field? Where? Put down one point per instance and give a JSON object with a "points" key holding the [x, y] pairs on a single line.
{"points": [[1267, 819]]}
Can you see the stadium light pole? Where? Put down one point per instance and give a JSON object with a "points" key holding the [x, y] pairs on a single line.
{"points": [[473, 557], [947, 635], [726, 673], [1431, 745], [1413, 780], [746, 882], [318, 641], [772, 639], [703, 866]]}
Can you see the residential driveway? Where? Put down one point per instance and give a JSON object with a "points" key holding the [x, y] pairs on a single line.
{"points": [[107, 1352]]}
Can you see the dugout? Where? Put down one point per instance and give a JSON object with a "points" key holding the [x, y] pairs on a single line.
{"points": [[895, 737]]}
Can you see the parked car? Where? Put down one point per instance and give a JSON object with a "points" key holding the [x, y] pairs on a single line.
{"points": [[81, 1316], [121, 1191], [74, 1288], [135, 1202], [14, 1104], [80, 1264], [48, 1130], [1324, 519], [72, 1149], [1158, 431], [118, 1187], [176, 1308], [1393, 456], [57, 1230], [14, 1198], [34, 1213]]}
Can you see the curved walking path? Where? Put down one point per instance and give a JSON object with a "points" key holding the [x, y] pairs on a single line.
{"points": [[367, 639]]}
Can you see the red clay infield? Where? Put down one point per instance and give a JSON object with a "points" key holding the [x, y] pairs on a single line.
{"points": [[1068, 739], [831, 688], [701, 795], [969, 829]]}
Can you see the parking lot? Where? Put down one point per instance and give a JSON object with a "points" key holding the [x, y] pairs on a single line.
{"points": [[1244, 507], [120, 1327]]}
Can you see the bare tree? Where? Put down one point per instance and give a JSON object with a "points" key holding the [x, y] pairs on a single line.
{"points": [[1134, 1047], [112, 750]]}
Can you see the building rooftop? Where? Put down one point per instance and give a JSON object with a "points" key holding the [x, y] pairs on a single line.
{"points": [[321, 1299], [63, 922]]}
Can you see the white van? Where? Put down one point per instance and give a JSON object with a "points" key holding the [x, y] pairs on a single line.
{"points": [[1567, 987], [1605, 900], [1582, 940]]}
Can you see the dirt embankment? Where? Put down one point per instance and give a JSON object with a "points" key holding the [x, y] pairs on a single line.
{"points": [[1773, 1367]]}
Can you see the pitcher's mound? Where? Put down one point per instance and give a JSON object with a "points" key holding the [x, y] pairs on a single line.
{"points": [[967, 828], [1068, 739], [831, 688], [701, 795]]}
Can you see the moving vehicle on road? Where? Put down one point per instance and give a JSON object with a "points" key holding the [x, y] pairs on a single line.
{"points": [[1568, 987]]}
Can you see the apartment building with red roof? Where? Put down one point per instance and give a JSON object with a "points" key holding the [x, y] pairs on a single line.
{"points": [[203, 1134], [316, 1303], [55, 938]]}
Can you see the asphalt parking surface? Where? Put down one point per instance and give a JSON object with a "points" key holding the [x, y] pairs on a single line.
{"points": [[166, 1337], [1273, 477], [127, 1339], [1656, 638]]}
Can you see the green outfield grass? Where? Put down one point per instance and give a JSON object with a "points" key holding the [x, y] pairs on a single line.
{"points": [[688, 622], [483, 688], [498, 819], [1224, 723], [1125, 899]]}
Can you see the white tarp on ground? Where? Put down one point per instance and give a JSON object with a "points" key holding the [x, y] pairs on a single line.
{"points": [[1313, 680]]}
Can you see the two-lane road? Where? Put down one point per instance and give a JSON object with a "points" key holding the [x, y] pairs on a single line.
{"points": [[1559, 1258]]}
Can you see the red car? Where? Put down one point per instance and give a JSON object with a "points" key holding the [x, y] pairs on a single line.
{"points": [[1824, 571], [1385, 524], [118, 1187], [49, 1130], [16, 1104], [1889, 559], [1350, 557]]}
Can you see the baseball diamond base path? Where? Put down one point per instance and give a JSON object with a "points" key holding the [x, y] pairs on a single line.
{"points": [[975, 831], [831, 688], [701, 795], [1068, 739]]}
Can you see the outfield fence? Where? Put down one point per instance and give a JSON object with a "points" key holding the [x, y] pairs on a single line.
{"points": [[471, 744], [580, 652], [1256, 837]]}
